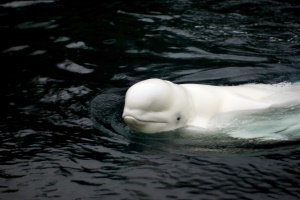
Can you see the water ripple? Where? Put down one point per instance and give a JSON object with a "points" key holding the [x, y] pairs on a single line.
{"points": [[63, 85], [17, 4]]}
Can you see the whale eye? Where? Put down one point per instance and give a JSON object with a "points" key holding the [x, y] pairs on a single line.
{"points": [[178, 118]]}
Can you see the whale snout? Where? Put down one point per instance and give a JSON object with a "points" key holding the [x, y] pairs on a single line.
{"points": [[143, 125], [129, 120], [134, 123]]}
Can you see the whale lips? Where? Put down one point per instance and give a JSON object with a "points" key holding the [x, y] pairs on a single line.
{"points": [[131, 120], [140, 124]]}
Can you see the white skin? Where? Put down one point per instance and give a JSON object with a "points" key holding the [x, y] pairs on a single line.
{"points": [[156, 105]]}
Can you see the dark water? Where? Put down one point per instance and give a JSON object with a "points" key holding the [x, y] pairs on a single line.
{"points": [[66, 65]]}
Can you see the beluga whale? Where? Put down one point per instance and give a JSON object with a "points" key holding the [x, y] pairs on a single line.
{"points": [[156, 105]]}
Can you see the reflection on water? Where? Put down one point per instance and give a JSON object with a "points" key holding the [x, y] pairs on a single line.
{"points": [[73, 67], [66, 68], [17, 4]]}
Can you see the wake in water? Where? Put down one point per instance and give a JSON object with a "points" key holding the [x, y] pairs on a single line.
{"points": [[279, 124]]}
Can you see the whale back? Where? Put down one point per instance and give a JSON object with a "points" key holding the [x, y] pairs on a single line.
{"points": [[278, 95]]}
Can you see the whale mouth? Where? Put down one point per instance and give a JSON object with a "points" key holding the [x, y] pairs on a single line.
{"points": [[144, 126], [129, 119]]}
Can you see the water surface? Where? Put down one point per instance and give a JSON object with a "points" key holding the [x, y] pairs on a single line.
{"points": [[66, 66]]}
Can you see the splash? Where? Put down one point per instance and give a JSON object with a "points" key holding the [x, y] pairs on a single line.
{"points": [[279, 124]]}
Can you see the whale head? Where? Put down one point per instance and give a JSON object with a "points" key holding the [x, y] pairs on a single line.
{"points": [[155, 105]]}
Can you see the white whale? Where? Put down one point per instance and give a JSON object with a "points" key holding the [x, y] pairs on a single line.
{"points": [[156, 105]]}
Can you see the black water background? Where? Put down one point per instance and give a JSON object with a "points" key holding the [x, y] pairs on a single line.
{"points": [[50, 147]]}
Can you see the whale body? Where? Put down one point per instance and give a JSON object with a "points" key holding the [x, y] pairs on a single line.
{"points": [[156, 105]]}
